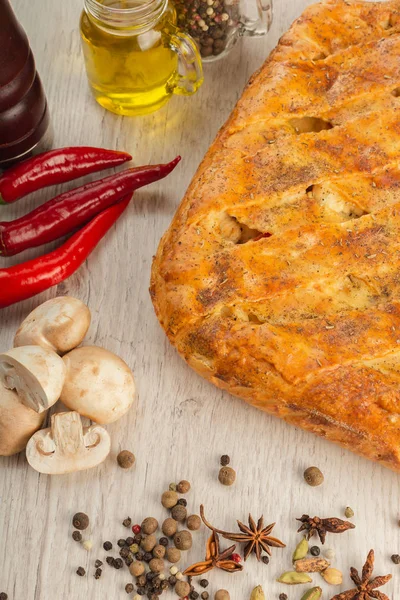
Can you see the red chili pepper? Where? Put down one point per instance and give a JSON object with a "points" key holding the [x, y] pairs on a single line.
{"points": [[70, 210], [34, 276], [56, 166]]}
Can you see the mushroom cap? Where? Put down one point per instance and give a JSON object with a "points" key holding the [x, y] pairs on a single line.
{"points": [[36, 374], [60, 324], [17, 423], [99, 384], [66, 446]]}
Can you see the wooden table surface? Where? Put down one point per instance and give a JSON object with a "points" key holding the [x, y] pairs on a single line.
{"points": [[181, 424]]}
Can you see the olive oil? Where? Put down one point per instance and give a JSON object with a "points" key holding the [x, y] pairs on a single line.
{"points": [[131, 70]]}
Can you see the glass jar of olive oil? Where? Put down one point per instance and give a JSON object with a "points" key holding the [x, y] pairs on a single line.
{"points": [[135, 55]]}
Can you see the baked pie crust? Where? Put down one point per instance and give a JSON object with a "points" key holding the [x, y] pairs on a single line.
{"points": [[279, 277]]}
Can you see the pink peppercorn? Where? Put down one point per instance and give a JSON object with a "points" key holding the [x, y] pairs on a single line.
{"points": [[236, 558], [136, 528]]}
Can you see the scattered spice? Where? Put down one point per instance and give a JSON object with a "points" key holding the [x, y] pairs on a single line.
{"points": [[236, 557], [136, 568], [136, 529], [98, 563], [301, 550], [149, 525], [329, 553], [265, 559], [313, 476], [126, 459], [163, 541], [182, 502], [257, 593], [349, 512], [169, 499], [80, 571], [193, 522], [283, 597], [127, 522], [121, 543], [149, 542], [179, 513], [173, 555], [118, 564], [214, 558], [314, 593], [222, 595], [97, 573], [227, 476], [256, 537], [183, 487], [395, 558], [110, 561], [3, 596], [77, 536], [88, 545], [204, 596], [204, 583], [183, 540], [172, 487], [129, 588], [182, 588], [107, 546], [315, 550], [365, 585], [159, 551], [225, 460], [294, 578], [319, 526], [80, 521], [156, 565], [332, 576], [311, 565]]}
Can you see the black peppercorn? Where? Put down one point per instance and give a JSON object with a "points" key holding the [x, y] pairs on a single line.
{"points": [[110, 561], [80, 521], [107, 546], [194, 595], [147, 557], [138, 538], [182, 502], [265, 559], [129, 560], [118, 564], [98, 563], [172, 580], [204, 596], [77, 536], [163, 541], [141, 591], [395, 558], [139, 555], [124, 552], [204, 583], [141, 580], [150, 576], [129, 588], [283, 597], [121, 543], [3, 596], [80, 571], [127, 522], [164, 584], [225, 459], [98, 573], [129, 541], [315, 551]]}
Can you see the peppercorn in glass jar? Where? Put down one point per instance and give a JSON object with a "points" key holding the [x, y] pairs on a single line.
{"points": [[135, 55], [216, 25]]}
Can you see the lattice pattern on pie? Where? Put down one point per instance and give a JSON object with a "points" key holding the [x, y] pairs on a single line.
{"points": [[279, 277]]}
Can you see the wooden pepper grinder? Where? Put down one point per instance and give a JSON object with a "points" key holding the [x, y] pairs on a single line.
{"points": [[24, 117]]}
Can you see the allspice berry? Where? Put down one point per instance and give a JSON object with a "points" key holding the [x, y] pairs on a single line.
{"points": [[173, 555], [313, 476], [159, 551], [149, 542], [126, 459], [179, 513], [169, 527], [156, 565], [136, 568], [149, 525], [169, 499], [80, 521], [183, 540], [193, 522], [222, 595], [182, 589], [183, 487], [227, 475]]}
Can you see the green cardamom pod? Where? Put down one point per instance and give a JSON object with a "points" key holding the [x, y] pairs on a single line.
{"points": [[314, 593], [292, 578], [257, 593], [301, 550]]}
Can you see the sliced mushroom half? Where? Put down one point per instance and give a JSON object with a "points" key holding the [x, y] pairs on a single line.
{"points": [[36, 374], [60, 324], [66, 446], [17, 423]]}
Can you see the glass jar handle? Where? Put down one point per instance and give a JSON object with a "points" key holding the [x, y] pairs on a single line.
{"points": [[190, 69], [260, 24]]}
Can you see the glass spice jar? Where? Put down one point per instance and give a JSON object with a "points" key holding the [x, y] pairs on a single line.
{"points": [[135, 55], [216, 25]]}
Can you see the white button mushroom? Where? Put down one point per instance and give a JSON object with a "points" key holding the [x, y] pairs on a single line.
{"points": [[36, 374], [66, 446], [99, 385], [17, 423], [60, 324]]}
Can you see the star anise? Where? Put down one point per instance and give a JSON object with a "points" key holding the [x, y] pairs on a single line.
{"points": [[214, 558], [366, 587], [256, 537], [319, 526]]}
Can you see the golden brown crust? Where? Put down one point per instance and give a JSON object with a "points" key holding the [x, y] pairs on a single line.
{"points": [[278, 279]]}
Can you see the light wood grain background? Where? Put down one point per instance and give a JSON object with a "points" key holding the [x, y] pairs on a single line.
{"points": [[181, 424]]}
